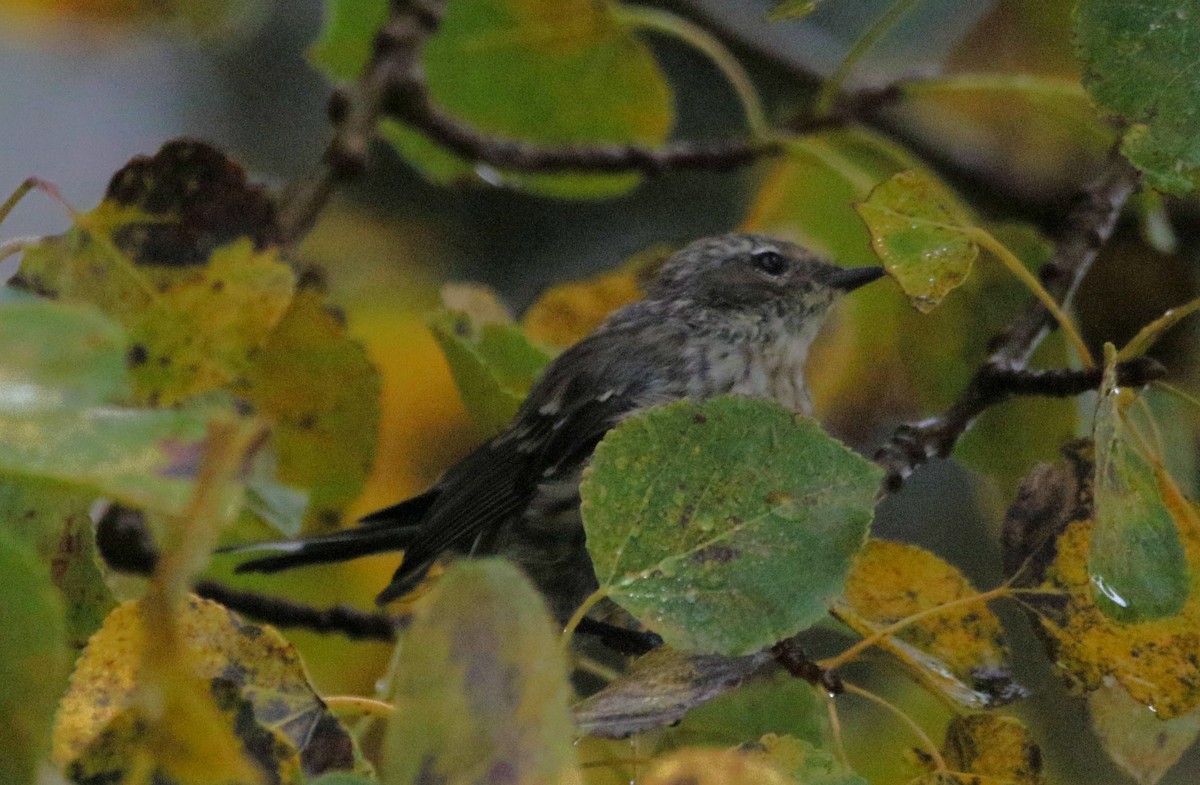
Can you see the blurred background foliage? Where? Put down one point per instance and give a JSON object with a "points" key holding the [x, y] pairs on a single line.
{"points": [[87, 85]]}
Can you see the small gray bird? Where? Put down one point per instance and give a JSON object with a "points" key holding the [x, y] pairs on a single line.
{"points": [[728, 314]]}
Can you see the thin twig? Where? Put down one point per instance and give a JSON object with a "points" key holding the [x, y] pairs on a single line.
{"points": [[1086, 228]]}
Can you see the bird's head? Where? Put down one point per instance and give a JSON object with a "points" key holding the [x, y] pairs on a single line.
{"points": [[751, 272]]}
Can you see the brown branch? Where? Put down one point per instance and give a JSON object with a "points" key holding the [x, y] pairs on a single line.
{"points": [[393, 84], [1087, 227]]}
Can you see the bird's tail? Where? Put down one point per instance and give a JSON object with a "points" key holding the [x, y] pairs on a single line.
{"points": [[391, 529]]}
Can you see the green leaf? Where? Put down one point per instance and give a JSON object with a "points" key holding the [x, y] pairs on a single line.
{"points": [[348, 36], [54, 355], [806, 763], [34, 660], [777, 704], [918, 231], [1135, 737], [142, 457], [494, 365], [55, 519], [1139, 64], [319, 390], [481, 685], [553, 72], [341, 778], [1136, 560], [792, 9], [725, 525]]}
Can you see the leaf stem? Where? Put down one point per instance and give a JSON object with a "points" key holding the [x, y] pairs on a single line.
{"points": [[17, 195], [917, 730], [343, 705], [667, 23], [831, 663], [1018, 269], [580, 612], [1179, 392], [881, 27]]}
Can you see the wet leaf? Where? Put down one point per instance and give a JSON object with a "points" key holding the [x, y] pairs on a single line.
{"points": [[715, 767], [1136, 561], [319, 391], [960, 652], [1138, 65], [481, 687], [181, 252], [54, 355], [1154, 660], [34, 660], [1137, 740], [494, 365], [55, 520], [918, 231], [807, 764], [725, 525], [565, 314], [992, 748], [661, 688], [251, 681], [554, 72]]}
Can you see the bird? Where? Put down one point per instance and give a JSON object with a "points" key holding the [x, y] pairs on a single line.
{"points": [[730, 314]]}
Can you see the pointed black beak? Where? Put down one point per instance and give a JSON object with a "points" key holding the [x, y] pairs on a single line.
{"points": [[850, 279]]}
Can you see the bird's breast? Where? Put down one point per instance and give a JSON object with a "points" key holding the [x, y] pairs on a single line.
{"points": [[763, 369]]}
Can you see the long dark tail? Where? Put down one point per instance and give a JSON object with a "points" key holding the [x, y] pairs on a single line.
{"points": [[390, 529]]}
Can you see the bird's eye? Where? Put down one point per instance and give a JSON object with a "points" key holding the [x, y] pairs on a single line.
{"points": [[770, 262]]}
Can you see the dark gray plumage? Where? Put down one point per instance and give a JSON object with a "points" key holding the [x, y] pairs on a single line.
{"points": [[728, 314]]}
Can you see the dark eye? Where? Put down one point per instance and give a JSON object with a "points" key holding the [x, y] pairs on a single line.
{"points": [[770, 262]]}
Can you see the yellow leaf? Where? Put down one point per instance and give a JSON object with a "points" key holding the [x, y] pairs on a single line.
{"points": [[992, 748], [567, 313], [715, 767], [959, 651], [116, 716]]}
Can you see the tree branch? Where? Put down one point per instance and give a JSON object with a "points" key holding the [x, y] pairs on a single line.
{"points": [[1087, 227]]}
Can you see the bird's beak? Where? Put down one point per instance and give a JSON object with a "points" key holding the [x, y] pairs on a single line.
{"points": [[850, 279]]}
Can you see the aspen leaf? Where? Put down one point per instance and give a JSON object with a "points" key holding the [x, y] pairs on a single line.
{"points": [[715, 767], [552, 72], [725, 525], [806, 763], [565, 314], [480, 685], [990, 748], [659, 689], [182, 253], [1136, 561], [323, 434], [919, 233], [493, 364], [1154, 660], [34, 660], [1137, 65], [960, 652], [55, 355], [767, 703], [54, 519], [1136, 738], [255, 690]]}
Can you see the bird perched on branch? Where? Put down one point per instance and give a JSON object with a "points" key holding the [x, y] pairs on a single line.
{"points": [[728, 314]]}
